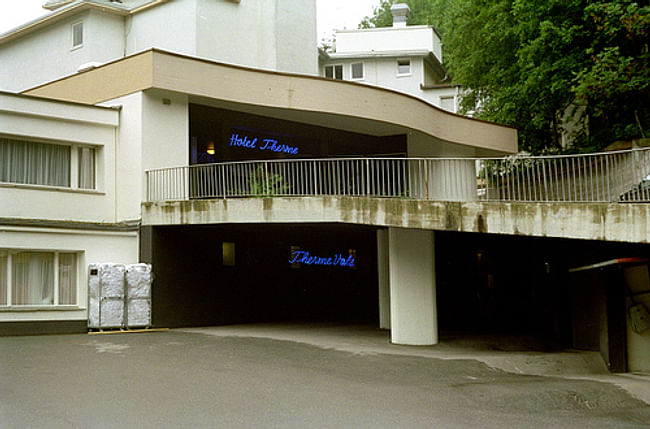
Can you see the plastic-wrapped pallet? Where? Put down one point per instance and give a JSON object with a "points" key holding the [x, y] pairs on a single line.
{"points": [[138, 283], [106, 295]]}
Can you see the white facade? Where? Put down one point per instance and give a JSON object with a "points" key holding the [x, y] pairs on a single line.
{"points": [[50, 232], [261, 34], [390, 39], [404, 58], [82, 211]]}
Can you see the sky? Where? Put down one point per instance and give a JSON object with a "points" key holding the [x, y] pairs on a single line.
{"points": [[332, 14]]}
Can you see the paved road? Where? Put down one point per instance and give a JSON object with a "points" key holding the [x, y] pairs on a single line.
{"points": [[181, 379]]}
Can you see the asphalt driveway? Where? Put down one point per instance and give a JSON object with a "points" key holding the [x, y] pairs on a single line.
{"points": [[188, 379]]}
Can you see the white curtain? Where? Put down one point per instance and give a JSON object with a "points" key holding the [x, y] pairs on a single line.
{"points": [[3, 277], [86, 168], [33, 278], [67, 278], [34, 163]]}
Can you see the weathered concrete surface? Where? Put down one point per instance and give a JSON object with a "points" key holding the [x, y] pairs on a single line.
{"points": [[180, 379], [592, 221]]}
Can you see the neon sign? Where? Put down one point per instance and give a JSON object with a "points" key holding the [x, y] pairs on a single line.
{"points": [[338, 260], [266, 144]]}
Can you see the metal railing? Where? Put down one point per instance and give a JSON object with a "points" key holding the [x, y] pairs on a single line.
{"points": [[622, 176]]}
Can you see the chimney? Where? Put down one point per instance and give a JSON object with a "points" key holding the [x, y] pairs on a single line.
{"points": [[400, 13]]}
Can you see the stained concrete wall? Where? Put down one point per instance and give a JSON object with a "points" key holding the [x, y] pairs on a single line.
{"points": [[590, 221], [638, 343]]}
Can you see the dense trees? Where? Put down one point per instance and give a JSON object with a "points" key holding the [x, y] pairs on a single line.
{"points": [[550, 68]]}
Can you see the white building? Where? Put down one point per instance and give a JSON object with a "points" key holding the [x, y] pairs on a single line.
{"points": [[119, 163], [112, 96], [401, 57], [78, 34], [59, 209]]}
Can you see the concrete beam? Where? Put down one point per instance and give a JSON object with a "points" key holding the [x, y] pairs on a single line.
{"points": [[589, 221]]}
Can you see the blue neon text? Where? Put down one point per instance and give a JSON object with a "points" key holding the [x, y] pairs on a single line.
{"points": [[267, 144], [304, 257]]}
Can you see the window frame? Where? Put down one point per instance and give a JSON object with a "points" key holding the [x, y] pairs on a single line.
{"points": [[453, 101], [334, 68], [74, 165], [73, 27], [8, 298], [363, 71], [410, 65]]}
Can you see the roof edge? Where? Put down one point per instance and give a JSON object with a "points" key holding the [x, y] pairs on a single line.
{"points": [[264, 71], [67, 10]]}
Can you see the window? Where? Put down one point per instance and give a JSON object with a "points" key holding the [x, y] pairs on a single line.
{"points": [[228, 253], [86, 167], [38, 278], [334, 72], [77, 35], [447, 103], [403, 67], [35, 163], [357, 71]]}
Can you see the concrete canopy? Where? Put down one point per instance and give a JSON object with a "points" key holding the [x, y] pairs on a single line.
{"points": [[301, 98]]}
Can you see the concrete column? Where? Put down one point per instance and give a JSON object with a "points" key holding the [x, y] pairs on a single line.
{"points": [[453, 180], [383, 278], [146, 244], [413, 313]]}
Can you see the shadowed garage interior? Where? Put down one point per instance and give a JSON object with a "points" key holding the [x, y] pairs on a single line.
{"points": [[226, 274]]}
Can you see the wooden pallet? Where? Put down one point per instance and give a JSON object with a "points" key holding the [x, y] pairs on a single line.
{"points": [[94, 331]]}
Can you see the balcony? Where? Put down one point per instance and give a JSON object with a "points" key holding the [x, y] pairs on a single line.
{"points": [[600, 196], [601, 177]]}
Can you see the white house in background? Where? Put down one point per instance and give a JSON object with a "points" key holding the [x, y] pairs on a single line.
{"points": [[401, 57], [80, 34]]}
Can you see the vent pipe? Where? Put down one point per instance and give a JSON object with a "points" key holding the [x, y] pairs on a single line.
{"points": [[401, 12]]}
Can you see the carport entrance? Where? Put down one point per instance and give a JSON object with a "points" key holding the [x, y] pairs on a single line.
{"points": [[519, 286], [226, 274]]}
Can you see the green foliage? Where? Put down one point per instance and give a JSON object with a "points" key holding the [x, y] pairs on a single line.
{"points": [[263, 186], [615, 82], [545, 67], [423, 12]]}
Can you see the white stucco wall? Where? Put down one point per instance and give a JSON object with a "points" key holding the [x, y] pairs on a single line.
{"points": [[165, 130], [128, 155], [66, 123], [270, 34], [170, 26], [91, 246], [154, 133], [412, 38], [382, 71], [46, 55], [296, 36], [238, 33]]}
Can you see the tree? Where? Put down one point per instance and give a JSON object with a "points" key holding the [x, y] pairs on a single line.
{"points": [[615, 83], [546, 67], [423, 12]]}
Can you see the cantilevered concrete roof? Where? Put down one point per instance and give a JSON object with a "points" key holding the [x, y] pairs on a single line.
{"points": [[302, 98]]}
